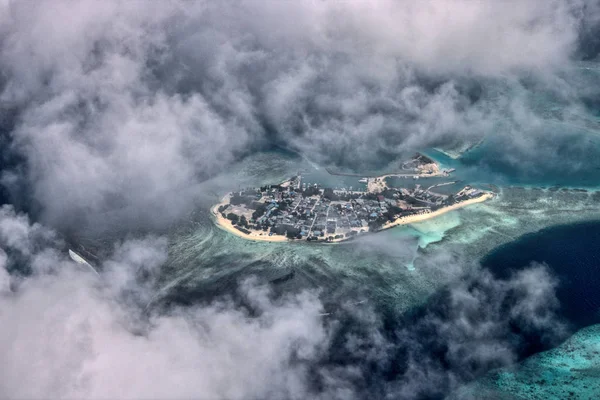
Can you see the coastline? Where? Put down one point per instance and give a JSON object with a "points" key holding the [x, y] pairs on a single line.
{"points": [[226, 224], [411, 219]]}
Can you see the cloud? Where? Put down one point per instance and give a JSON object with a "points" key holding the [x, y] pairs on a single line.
{"points": [[101, 142], [113, 113], [88, 349], [69, 333], [122, 109], [475, 325]]}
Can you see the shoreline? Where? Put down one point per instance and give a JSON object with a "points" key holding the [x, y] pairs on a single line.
{"points": [[227, 226], [411, 219]]}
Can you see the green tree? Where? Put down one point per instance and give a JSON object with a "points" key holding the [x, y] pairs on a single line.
{"points": [[328, 194], [260, 210], [233, 218]]}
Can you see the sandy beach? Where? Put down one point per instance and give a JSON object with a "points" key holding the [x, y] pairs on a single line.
{"points": [[411, 219], [226, 224]]}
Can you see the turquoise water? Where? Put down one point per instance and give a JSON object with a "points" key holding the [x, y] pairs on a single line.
{"points": [[323, 178], [410, 183], [486, 164], [553, 140], [574, 161], [569, 371], [397, 271], [572, 370], [392, 271]]}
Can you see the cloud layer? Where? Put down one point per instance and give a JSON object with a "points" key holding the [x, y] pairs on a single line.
{"points": [[69, 333], [117, 107], [113, 113]]}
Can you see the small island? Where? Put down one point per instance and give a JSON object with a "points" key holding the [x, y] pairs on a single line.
{"points": [[294, 210]]}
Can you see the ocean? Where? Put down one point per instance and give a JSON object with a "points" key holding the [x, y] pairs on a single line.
{"points": [[570, 369], [402, 277], [572, 253]]}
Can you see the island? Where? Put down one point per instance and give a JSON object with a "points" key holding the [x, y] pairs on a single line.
{"points": [[295, 210]]}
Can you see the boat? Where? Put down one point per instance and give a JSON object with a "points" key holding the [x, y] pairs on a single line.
{"points": [[81, 261]]}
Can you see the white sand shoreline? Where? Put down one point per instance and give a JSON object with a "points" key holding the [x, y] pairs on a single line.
{"points": [[411, 219], [227, 225]]}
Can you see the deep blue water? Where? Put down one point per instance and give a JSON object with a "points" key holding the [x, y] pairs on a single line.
{"points": [[435, 332], [572, 252]]}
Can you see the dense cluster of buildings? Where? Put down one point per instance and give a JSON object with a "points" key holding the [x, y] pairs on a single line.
{"points": [[310, 212]]}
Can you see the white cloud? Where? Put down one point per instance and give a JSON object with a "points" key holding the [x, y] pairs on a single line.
{"points": [[69, 333], [87, 350], [123, 108]]}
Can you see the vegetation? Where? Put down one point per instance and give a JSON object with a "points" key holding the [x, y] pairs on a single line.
{"points": [[370, 196], [293, 233], [310, 191], [233, 218], [330, 195], [246, 231], [259, 212], [376, 224], [389, 193], [392, 212]]}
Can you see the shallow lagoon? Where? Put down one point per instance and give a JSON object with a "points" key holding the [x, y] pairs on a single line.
{"points": [[393, 271], [469, 233], [571, 370]]}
